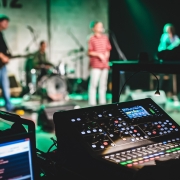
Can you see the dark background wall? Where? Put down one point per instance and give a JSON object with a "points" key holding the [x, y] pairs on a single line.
{"points": [[138, 26]]}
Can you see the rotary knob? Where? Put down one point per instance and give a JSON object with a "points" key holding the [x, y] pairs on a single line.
{"points": [[86, 116], [104, 140], [105, 113], [94, 115], [114, 132], [96, 138]]}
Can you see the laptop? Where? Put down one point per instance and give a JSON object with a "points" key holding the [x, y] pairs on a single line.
{"points": [[17, 147], [17, 157]]}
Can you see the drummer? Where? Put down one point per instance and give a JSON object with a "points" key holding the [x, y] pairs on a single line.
{"points": [[40, 61]]}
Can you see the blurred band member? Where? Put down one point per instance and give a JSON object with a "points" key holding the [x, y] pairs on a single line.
{"points": [[40, 60], [4, 59], [169, 39], [98, 51]]}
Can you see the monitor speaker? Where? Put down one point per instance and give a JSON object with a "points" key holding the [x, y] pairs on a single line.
{"points": [[45, 115], [15, 87]]}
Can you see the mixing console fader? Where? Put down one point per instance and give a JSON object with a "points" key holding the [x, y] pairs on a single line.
{"points": [[129, 134]]}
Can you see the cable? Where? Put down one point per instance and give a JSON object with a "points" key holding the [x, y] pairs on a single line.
{"points": [[54, 144], [119, 51], [157, 91]]}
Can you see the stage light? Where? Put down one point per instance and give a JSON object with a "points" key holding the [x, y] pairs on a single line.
{"points": [[157, 93]]}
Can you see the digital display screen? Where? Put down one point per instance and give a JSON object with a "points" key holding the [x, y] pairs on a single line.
{"points": [[135, 112], [15, 160]]}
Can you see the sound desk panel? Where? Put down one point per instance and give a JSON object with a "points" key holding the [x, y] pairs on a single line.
{"points": [[128, 135]]}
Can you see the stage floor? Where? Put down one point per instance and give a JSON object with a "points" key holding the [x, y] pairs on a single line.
{"points": [[43, 140]]}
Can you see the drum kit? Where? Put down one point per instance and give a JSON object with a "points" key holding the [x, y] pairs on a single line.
{"points": [[52, 85]]}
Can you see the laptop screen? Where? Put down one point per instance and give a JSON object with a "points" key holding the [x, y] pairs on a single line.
{"points": [[16, 159]]}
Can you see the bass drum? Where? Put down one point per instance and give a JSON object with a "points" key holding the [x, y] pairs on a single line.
{"points": [[54, 86]]}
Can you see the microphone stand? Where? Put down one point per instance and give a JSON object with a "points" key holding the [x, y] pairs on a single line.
{"points": [[81, 50], [121, 56], [34, 39], [119, 51], [33, 76]]}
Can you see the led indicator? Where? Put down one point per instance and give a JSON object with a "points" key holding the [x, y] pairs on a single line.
{"points": [[151, 110]]}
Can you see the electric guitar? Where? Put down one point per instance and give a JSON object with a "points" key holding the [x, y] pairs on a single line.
{"points": [[2, 56]]}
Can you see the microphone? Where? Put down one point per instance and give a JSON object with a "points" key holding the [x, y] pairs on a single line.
{"points": [[106, 31], [30, 28]]}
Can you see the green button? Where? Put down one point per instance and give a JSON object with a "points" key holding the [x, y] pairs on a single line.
{"points": [[168, 151], [129, 162], [123, 163], [178, 148]]}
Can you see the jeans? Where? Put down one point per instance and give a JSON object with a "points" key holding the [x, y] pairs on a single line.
{"points": [[98, 76], [4, 85]]}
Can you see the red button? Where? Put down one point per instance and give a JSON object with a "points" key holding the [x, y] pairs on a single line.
{"points": [[129, 165], [135, 163], [154, 132], [157, 157], [116, 121], [151, 159], [173, 126], [105, 143], [146, 160], [158, 126], [135, 130], [140, 162]]}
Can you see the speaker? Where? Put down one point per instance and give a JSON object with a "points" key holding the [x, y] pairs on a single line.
{"points": [[15, 87], [45, 115], [160, 100]]}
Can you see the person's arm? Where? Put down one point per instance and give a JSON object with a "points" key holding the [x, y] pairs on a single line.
{"points": [[174, 44], [92, 52], [3, 58], [101, 56], [162, 44], [108, 49]]}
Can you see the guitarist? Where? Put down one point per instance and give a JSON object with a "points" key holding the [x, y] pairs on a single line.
{"points": [[4, 59]]}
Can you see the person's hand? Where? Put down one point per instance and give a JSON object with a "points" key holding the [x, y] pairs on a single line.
{"points": [[4, 59], [102, 57], [47, 66]]}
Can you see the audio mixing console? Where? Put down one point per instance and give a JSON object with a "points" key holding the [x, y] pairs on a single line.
{"points": [[129, 134]]}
